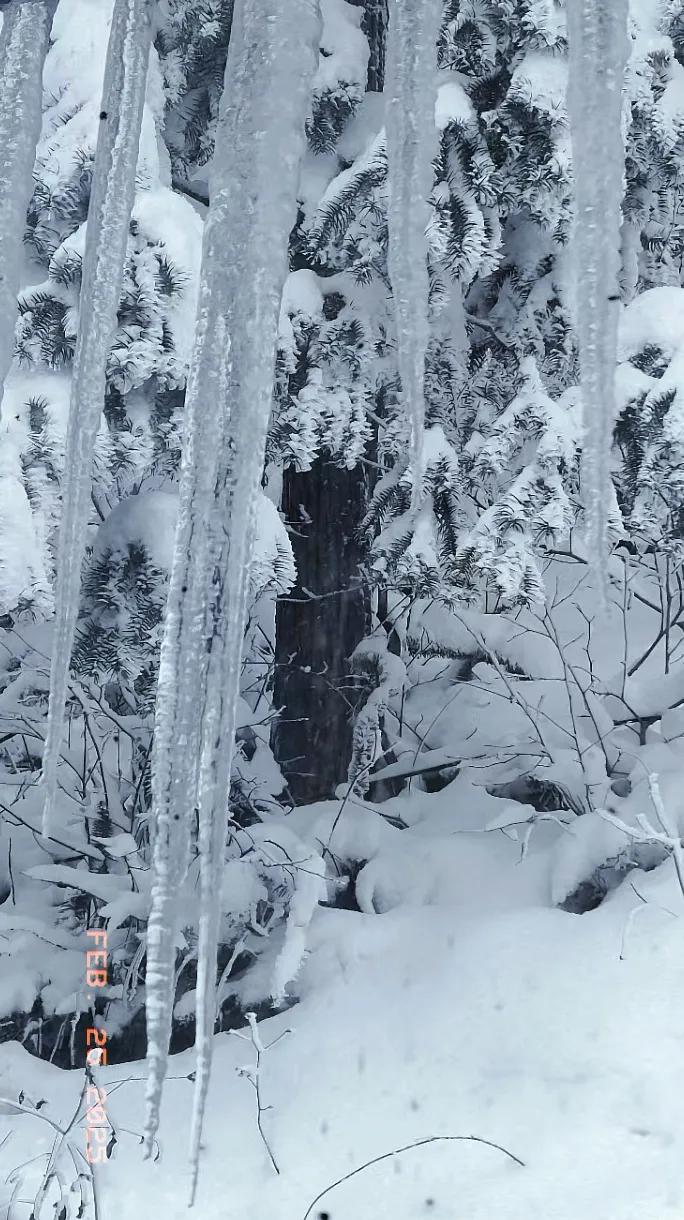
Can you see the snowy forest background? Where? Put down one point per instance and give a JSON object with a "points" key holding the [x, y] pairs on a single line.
{"points": [[458, 759]]}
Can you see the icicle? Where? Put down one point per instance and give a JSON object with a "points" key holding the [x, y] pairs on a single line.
{"points": [[597, 31], [410, 92], [244, 265], [269, 77], [23, 44], [109, 214]]}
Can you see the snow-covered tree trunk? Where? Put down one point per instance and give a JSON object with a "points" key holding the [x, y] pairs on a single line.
{"points": [[411, 143], [260, 142], [109, 214], [597, 31], [23, 46]]}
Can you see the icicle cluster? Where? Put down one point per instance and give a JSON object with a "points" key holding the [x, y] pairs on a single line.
{"points": [[260, 141], [23, 45], [410, 125], [109, 214], [598, 38]]}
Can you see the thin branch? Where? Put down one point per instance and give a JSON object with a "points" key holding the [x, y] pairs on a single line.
{"points": [[431, 1139]]}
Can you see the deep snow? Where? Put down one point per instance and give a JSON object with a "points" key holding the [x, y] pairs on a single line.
{"points": [[487, 1012]]}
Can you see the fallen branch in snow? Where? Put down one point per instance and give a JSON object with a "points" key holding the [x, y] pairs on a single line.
{"points": [[430, 1139], [668, 836]]}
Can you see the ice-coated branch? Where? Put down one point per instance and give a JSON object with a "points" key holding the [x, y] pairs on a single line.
{"points": [[252, 1073], [260, 141], [109, 214], [23, 45], [410, 126], [598, 41], [669, 836]]}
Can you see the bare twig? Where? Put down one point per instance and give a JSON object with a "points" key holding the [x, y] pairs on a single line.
{"points": [[431, 1139], [252, 1073]]}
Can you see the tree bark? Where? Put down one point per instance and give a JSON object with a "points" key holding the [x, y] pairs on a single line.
{"points": [[318, 626]]}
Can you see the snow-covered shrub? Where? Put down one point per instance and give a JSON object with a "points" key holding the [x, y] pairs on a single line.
{"points": [[93, 870], [556, 708]]}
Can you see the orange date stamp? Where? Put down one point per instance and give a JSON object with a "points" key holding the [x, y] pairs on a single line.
{"points": [[97, 1125]]}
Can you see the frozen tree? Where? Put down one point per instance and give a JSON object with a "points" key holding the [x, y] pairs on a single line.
{"points": [[598, 55], [149, 352], [410, 124], [109, 215], [23, 45], [244, 265]]}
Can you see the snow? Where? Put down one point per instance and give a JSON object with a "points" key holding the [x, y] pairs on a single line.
{"points": [[452, 105], [437, 448], [302, 294], [309, 892], [521, 1026], [166, 218], [648, 696], [656, 318], [671, 108], [589, 843], [362, 130], [345, 44], [271, 549], [148, 518], [543, 79]]}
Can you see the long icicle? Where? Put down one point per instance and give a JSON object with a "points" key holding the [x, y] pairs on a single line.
{"points": [[269, 76], [411, 140], [109, 214], [598, 51], [23, 45]]}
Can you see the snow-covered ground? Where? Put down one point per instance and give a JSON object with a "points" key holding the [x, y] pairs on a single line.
{"points": [[486, 1012]]}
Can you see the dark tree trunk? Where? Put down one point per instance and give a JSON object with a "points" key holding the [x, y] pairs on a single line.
{"points": [[318, 627], [375, 20], [315, 636]]}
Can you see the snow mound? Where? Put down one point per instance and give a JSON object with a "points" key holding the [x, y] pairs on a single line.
{"points": [[655, 318], [149, 519], [525, 1028]]}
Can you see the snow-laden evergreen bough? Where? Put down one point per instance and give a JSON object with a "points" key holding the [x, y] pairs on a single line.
{"points": [[411, 143], [109, 214], [597, 31], [260, 142], [23, 46]]}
